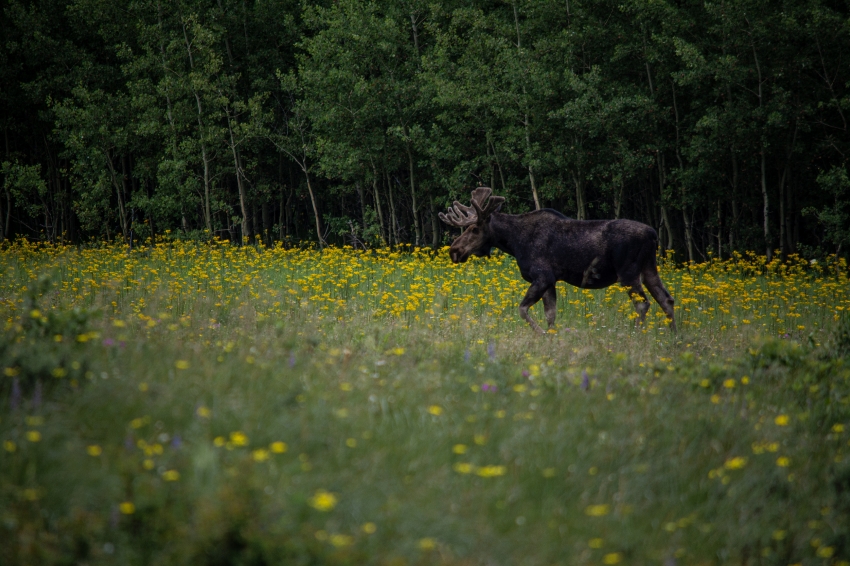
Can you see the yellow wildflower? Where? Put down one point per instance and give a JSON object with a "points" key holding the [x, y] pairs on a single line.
{"points": [[323, 500]]}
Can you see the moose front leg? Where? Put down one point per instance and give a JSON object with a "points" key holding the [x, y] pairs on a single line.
{"points": [[550, 306], [534, 294], [640, 301]]}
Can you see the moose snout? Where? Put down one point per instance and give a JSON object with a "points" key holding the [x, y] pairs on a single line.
{"points": [[458, 256]]}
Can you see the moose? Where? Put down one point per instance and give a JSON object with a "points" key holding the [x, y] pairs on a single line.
{"points": [[550, 247]]}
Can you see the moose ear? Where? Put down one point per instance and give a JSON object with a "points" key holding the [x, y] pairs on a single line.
{"points": [[495, 205]]}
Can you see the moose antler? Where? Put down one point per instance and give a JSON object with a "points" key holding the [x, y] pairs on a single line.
{"points": [[463, 216], [459, 215]]}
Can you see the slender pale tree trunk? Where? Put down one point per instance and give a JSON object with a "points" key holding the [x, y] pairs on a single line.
{"points": [[765, 205], [763, 169], [498, 164], [416, 228], [665, 219], [393, 217], [4, 225], [581, 207], [689, 240], [782, 246], [719, 229], [530, 168], [784, 178], [689, 234], [201, 131], [126, 172], [435, 228], [377, 194], [526, 122], [122, 215], [237, 165], [315, 207], [618, 201]]}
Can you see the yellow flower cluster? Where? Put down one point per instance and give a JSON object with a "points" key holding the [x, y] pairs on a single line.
{"points": [[160, 286]]}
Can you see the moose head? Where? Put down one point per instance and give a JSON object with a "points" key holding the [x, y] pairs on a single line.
{"points": [[477, 239]]}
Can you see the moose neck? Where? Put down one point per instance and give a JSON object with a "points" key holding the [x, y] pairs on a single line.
{"points": [[503, 230]]}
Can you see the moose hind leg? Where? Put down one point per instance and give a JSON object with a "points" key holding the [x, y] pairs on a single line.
{"points": [[659, 293], [550, 306], [534, 294], [639, 300]]}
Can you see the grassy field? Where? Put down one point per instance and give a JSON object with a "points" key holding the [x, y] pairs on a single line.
{"points": [[208, 404]]}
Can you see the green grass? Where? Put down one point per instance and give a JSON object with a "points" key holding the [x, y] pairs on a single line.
{"points": [[591, 446]]}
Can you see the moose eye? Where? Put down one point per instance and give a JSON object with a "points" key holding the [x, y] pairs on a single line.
{"points": [[475, 230]]}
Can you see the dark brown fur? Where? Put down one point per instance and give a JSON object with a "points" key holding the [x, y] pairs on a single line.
{"points": [[550, 247]]}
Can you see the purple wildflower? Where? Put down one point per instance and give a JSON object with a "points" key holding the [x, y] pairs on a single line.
{"points": [[491, 350], [525, 373], [15, 399], [109, 342], [466, 355], [585, 380], [176, 442], [292, 360], [36, 396]]}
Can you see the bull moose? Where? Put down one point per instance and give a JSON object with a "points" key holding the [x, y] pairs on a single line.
{"points": [[550, 247]]}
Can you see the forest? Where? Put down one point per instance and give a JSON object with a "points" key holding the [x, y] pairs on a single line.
{"points": [[722, 124]]}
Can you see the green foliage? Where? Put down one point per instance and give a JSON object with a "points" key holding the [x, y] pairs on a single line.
{"points": [[26, 184], [41, 351], [719, 125], [835, 218]]}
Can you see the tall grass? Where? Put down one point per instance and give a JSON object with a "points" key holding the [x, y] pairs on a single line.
{"points": [[189, 403]]}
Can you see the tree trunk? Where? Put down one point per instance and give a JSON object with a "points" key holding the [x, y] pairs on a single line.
{"points": [[581, 207], [789, 232], [393, 218], [416, 228], [762, 167], [766, 206], [720, 229], [530, 168], [782, 245], [735, 211], [204, 155], [618, 201], [315, 208], [665, 219], [377, 195], [122, 216], [498, 165], [689, 235], [526, 122], [266, 215], [281, 216], [359, 189], [689, 241], [207, 212], [435, 225], [4, 224]]}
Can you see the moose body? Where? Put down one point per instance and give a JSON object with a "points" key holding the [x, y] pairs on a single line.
{"points": [[550, 247]]}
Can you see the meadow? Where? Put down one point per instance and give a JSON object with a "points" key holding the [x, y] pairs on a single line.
{"points": [[204, 403]]}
